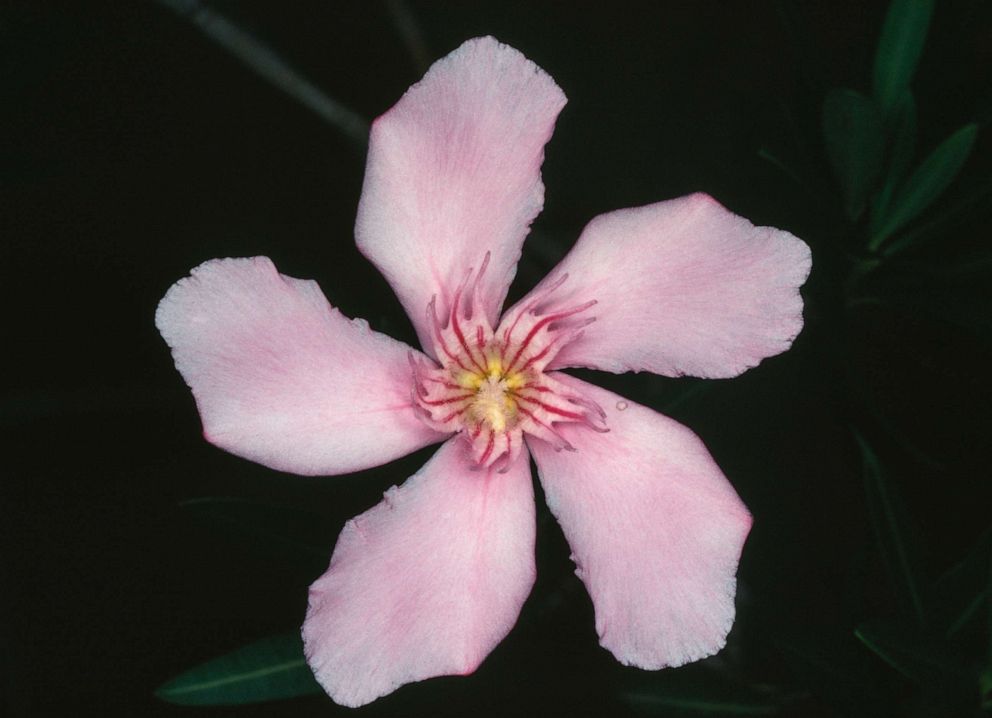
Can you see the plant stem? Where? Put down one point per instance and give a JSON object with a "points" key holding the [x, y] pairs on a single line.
{"points": [[267, 63]]}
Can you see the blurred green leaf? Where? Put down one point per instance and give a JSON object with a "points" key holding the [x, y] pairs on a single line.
{"points": [[926, 184], [961, 593], [269, 64], [698, 705], [696, 691], [267, 670], [855, 142], [892, 530], [912, 651], [270, 528], [960, 299], [988, 629], [976, 200], [985, 688], [904, 137], [899, 48], [768, 156], [903, 147], [979, 262], [824, 661]]}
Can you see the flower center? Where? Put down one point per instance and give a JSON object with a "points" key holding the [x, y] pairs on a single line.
{"points": [[495, 403], [491, 385]]}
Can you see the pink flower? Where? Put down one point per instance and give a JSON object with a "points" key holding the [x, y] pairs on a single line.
{"points": [[430, 580]]}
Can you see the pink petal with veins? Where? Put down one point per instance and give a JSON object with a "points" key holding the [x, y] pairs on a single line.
{"points": [[427, 582], [656, 531], [453, 172], [682, 287], [282, 378]]}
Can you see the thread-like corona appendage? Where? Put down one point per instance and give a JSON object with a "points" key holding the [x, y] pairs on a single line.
{"points": [[491, 385]]}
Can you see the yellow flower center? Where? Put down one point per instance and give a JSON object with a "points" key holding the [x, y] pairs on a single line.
{"points": [[494, 403], [490, 385]]}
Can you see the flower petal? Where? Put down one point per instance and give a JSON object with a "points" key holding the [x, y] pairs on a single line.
{"points": [[282, 378], [454, 172], [426, 583], [656, 531], [682, 287]]}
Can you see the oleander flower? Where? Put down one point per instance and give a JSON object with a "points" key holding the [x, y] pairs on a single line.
{"points": [[429, 581]]}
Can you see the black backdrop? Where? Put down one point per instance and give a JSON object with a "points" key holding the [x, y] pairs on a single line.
{"points": [[133, 149]]}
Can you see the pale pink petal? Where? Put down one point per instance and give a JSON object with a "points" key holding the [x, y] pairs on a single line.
{"points": [[427, 582], [655, 529], [454, 172], [682, 287], [282, 378]]}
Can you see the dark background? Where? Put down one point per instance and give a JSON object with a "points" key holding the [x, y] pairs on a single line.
{"points": [[133, 148]]}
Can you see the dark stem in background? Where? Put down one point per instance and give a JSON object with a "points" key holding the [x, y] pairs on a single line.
{"points": [[409, 31], [263, 60]]}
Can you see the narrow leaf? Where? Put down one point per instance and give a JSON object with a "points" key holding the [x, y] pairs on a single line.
{"points": [[271, 66], [927, 183], [985, 688], [976, 262], [891, 529], [699, 705], [855, 143], [903, 147], [962, 592], [899, 48], [974, 203], [988, 619], [962, 301], [697, 692], [827, 664], [766, 154], [405, 23], [271, 669], [912, 651]]}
